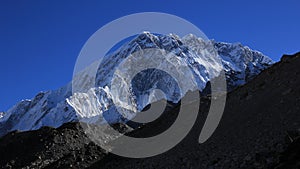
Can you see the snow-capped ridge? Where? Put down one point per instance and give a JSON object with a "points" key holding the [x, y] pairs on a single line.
{"points": [[204, 58]]}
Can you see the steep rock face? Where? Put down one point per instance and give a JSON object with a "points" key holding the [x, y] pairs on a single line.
{"points": [[45, 109], [189, 53], [261, 131], [241, 63]]}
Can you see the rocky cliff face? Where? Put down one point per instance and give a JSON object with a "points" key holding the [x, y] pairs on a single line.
{"points": [[54, 108], [259, 129]]}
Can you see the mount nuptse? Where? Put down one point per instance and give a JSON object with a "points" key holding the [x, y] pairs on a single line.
{"points": [[54, 108]]}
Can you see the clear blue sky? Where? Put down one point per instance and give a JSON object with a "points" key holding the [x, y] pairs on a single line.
{"points": [[40, 40]]}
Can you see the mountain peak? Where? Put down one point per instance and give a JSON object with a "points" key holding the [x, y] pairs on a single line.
{"points": [[57, 107]]}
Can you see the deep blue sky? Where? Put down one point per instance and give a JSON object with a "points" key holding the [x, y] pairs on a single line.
{"points": [[40, 40]]}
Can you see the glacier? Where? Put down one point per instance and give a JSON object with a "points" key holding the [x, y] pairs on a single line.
{"points": [[54, 108]]}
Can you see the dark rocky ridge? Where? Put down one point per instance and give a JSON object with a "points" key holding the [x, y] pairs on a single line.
{"points": [[259, 129]]}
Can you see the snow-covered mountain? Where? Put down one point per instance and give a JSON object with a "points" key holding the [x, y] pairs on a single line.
{"points": [[53, 108]]}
